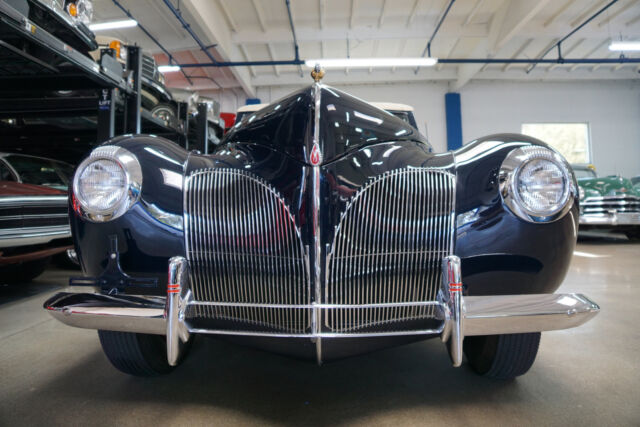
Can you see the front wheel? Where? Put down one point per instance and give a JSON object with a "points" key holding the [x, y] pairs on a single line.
{"points": [[502, 356], [142, 355]]}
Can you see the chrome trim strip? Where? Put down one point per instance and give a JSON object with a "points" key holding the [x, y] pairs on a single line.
{"points": [[32, 236], [34, 200], [613, 218], [452, 295], [315, 209], [177, 296]]}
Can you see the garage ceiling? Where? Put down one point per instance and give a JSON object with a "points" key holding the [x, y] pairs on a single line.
{"points": [[258, 30]]}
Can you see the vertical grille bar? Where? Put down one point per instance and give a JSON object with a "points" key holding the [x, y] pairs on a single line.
{"points": [[388, 246], [243, 247]]}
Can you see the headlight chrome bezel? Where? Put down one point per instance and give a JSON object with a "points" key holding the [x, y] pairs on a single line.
{"points": [[133, 183], [509, 172]]}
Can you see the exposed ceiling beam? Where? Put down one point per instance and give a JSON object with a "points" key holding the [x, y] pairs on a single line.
{"points": [[358, 77], [557, 13], [595, 67], [273, 58], [617, 13], [382, 13], [449, 55], [374, 52], [591, 52], [227, 15], [632, 21], [258, 9], [505, 24], [208, 16], [517, 54], [518, 13], [565, 53], [321, 10], [252, 70], [467, 71], [352, 18], [413, 12], [473, 12], [451, 29], [588, 12], [403, 44]]}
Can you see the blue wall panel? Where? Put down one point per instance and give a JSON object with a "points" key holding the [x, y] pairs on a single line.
{"points": [[454, 120]]}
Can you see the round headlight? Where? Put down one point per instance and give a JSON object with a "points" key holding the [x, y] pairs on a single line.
{"points": [[536, 184], [85, 11], [107, 183]]}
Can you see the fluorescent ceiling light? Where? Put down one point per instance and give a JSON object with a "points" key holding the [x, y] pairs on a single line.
{"points": [[625, 46], [168, 68], [371, 62], [126, 23]]}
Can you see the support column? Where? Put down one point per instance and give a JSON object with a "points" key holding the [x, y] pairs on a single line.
{"points": [[454, 120]]}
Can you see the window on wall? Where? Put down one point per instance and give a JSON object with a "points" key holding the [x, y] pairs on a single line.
{"points": [[570, 139]]}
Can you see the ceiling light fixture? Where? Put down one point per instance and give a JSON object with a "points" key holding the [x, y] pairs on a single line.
{"points": [[168, 68], [625, 46], [113, 25], [371, 62]]}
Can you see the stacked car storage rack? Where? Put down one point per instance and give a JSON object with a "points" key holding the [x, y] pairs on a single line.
{"points": [[41, 75]]}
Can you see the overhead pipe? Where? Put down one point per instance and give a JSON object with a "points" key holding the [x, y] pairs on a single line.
{"points": [[620, 60], [293, 32], [153, 39], [204, 48], [427, 49], [559, 42], [187, 27]]}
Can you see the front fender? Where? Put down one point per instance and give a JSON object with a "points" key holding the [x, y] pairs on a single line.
{"points": [[502, 253]]}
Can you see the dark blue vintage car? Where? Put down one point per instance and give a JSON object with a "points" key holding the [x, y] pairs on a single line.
{"points": [[321, 228]]}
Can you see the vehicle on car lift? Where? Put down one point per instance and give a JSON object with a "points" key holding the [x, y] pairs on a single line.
{"points": [[67, 20], [324, 227], [154, 97], [608, 203]]}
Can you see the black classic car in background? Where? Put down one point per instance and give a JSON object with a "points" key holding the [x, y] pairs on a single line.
{"points": [[321, 228]]}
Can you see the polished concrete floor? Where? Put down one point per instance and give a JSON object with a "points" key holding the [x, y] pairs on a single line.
{"points": [[53, 374]]}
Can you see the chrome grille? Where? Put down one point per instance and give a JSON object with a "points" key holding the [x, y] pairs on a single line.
{"points": [[603, 205], [388, 248], [244, 252]]}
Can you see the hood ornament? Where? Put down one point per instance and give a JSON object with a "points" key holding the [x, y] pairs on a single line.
{"points": [[317, 73]]}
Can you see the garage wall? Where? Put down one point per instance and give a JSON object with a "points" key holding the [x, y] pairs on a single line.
{"points": [[612, 109]]}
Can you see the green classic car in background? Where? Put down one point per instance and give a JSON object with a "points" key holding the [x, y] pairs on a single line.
{"points": [[609, 202]]}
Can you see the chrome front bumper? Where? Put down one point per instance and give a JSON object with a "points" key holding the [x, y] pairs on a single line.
{"points": [[461, 316], [612, 219], [16, 237]]}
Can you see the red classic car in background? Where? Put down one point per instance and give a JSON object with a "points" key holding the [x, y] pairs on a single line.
{"points": [[34, 223]]}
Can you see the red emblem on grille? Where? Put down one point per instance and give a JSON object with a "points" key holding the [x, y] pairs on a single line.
{"points": [[315, 157]]}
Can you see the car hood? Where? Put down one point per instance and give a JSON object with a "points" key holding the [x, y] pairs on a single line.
{"points": [[337, 122], [9, 188], [607, 186]]}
